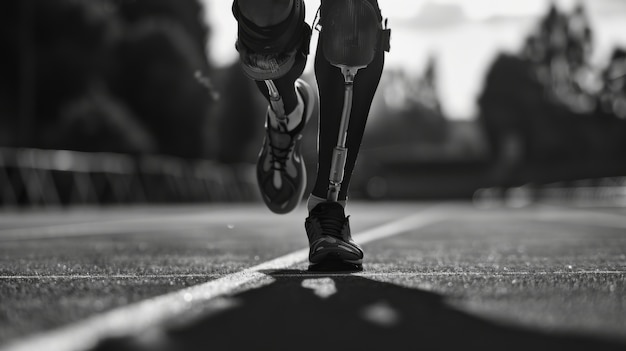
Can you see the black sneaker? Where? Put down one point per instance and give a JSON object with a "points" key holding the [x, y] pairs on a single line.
{"points": [[281, 172], [330, 241]]}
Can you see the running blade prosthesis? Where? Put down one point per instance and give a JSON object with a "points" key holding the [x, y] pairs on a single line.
{"points": [[350, 30]]}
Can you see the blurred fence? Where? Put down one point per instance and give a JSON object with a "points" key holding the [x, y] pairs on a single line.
{"points": [[34, 177]]}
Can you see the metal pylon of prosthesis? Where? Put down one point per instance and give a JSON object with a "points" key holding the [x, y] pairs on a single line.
{"points": [[276, 101], [340, 152], [351, 30]]}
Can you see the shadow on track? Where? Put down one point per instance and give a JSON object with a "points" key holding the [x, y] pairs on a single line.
{"points": [[304, 311]]}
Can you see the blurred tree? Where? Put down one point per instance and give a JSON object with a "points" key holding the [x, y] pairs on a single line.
{"points": [[189, 14], [612, 96], [53, 50], [163, 49], [144, 54], [406, 111], [154, 74], [528, 130], [506, 109], [9, 70], [539, 109]]}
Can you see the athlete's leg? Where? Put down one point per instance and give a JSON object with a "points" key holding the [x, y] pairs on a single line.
{"points": [[327, 226], [331, 90], [273, 42]]}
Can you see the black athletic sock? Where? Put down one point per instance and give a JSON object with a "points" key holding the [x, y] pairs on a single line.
{"points": [[331, 90]]}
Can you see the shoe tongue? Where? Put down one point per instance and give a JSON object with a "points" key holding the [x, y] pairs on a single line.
{"points": [[333, 209], [279, 139]]}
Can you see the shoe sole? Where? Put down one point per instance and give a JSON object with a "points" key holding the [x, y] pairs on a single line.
{"points": [[335, 266], [335, 251], [334, 257], [335, 262]]}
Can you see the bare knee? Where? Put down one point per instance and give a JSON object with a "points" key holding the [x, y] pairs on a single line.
{"points": [[265, 13]]}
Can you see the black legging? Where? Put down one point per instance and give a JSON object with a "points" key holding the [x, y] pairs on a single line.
{"points": [[331, 91]]}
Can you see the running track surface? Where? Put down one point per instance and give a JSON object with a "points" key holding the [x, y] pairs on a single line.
{"points": [[436, 276]]}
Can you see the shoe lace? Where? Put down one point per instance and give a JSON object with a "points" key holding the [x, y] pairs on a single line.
{"points": [[331, 225], [278, 155]]}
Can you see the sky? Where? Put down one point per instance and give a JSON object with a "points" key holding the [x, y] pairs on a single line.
{"points": [[460, 34]]}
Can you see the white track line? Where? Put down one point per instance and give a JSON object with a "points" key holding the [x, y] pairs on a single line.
{"points": [[108, 276], [307, 275], [139, 316], [447, 274]]}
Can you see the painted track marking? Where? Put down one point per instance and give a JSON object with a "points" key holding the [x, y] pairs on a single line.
{"points": [[108, 276], [315, 275]]}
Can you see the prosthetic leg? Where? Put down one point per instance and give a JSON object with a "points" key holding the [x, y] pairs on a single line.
{"points": [[276, 101], [274, 56], [350, 34], [352, 42]]}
